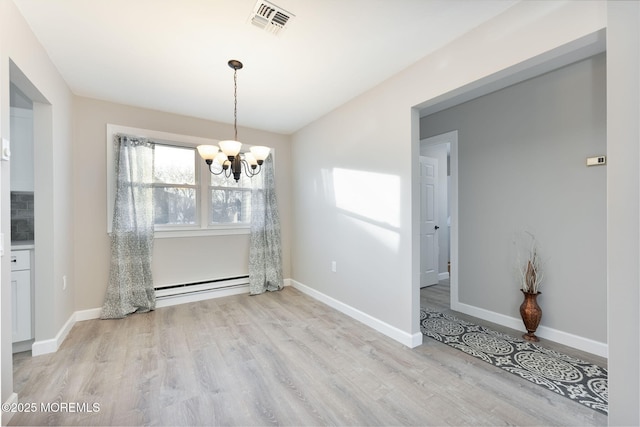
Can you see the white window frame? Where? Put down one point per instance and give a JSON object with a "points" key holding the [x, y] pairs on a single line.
{"points": [[196, 186], [203, 228]]}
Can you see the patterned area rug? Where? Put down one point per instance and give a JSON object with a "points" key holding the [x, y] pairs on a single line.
{"points": [[570, 377]]}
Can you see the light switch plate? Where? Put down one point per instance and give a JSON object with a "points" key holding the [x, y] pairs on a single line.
{"points": [[595, 161]]}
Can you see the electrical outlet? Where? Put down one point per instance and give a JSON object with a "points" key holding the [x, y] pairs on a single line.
{"points": [[64, 283], [334, 266], [6, 149]]}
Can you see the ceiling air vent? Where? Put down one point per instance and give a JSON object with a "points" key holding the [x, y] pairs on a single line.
{"points": [[270, 17]]}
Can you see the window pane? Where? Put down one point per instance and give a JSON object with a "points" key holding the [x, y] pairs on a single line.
{"points": [[175, 205], [174, 165], [230, 206]]}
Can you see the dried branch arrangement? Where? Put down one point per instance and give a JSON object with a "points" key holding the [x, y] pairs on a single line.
{"points": [[531, 270]]}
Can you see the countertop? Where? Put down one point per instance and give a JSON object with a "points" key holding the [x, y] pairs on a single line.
{"points": [[22, 245]]}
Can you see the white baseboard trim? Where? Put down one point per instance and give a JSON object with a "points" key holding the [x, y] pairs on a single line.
{"points": [[92, 313], [7, 415], [52, 345], [443, 276], [402, 337], [575, 341]]}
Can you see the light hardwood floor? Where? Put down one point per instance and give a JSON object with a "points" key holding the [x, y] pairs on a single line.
{"points": [[276, 359]]}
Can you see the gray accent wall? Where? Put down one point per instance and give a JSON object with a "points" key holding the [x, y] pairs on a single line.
{"points": [[522, 167]]}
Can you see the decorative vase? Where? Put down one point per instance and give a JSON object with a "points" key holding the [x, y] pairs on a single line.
{"points": [[531, 314]]}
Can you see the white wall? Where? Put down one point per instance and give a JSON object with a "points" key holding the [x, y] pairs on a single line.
{"points": [[380, 121], [380, 276], [61, 187], [175, 260], [22, 149], [351, 205], [36, 77], [623, 210], [6, 361], [380, 257]]}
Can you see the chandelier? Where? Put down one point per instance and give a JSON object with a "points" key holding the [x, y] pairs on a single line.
{"points": [[228, 156]]}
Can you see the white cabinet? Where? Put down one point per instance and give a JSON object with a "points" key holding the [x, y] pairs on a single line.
{"points": [[21, 295]]}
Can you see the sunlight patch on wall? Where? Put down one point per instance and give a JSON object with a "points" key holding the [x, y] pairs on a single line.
{"points": [[387, 236], [370, 195], [371, 201]]}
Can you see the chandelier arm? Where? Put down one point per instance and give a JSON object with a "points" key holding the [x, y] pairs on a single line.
{"points": [[211, 170], [248, 170], [228, 172]]}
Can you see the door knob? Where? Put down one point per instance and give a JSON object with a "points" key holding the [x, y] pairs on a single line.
{"points": [[436, 227]]}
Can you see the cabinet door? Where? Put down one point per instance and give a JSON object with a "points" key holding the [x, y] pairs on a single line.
{"points": [[22, 149], [21, 305]]}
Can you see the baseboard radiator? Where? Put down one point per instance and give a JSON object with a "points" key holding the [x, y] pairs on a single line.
{"points": [[185, 289]]}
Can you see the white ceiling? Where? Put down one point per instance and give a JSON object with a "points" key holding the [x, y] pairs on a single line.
{"points": [[171, 55]]}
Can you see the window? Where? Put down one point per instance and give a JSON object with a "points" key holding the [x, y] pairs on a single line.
{"points": [[176, 195], [175, 192], [230, 201], [188, 199]]}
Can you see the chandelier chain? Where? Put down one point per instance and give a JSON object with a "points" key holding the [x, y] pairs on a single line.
{"points": [[235, 103]]}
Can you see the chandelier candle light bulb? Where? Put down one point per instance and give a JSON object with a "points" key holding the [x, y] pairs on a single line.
{"points": [[230, 158]]}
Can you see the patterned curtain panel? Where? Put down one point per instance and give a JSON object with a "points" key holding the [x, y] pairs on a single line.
{"points": [[265, 250], [130, 287]]}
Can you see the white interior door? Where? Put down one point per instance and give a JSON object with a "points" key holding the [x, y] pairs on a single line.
{"points": [[428, 221]]}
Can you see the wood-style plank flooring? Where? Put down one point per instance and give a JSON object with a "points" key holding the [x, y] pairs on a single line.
{"points": [[280, 358]]}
